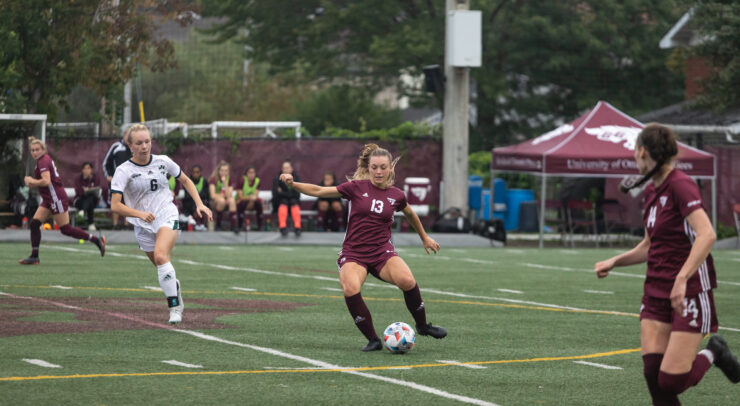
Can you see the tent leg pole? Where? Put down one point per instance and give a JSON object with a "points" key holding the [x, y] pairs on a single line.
{"points": [[714, 203], [543, 198], [490, 206]]}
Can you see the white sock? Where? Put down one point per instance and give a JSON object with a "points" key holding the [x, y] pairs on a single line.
{"points": [[708, 354], [167, 279]]}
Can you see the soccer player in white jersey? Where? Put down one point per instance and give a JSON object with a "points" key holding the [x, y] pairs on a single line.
{"points": [[142, 182]]}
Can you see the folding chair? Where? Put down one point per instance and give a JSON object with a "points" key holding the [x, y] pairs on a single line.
{"points": [[615, 220], [555, 217], [736, 214], [581, 216]]}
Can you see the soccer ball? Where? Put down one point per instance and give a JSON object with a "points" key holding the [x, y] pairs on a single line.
{"points": [[399, 338]]}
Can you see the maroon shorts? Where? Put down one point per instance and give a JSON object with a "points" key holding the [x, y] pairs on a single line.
{"points": [[373, 264], [57, 205], [699, 316]]}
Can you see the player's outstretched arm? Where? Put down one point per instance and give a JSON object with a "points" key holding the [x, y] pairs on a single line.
{"points": [[310, 189], [426, 240], [189, 187], [118, 207], [634, 256], [43, 182]]}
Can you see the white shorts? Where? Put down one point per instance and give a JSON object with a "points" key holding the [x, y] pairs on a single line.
{"points": [[146, 235]]}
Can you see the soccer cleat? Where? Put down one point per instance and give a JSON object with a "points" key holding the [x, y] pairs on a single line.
{"points": [[284, 231], [373, 345], [297, 232], [91, 227], [430, 330], [176, 311], [724, 359], [29, 261], [101, 244]]}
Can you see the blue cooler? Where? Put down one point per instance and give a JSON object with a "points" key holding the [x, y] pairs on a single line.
{"points": [[514, 198], [475, 188], [499, 208]]}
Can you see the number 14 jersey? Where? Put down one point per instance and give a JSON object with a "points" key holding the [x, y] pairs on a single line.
{"points": [[145, 187], [370, 218]]}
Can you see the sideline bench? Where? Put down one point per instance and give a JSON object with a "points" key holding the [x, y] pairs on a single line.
{"points": [[73, 210]]}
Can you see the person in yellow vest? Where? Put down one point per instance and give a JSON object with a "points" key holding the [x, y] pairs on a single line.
{"points": [[222, 195], [188, 204], [247, 195]]}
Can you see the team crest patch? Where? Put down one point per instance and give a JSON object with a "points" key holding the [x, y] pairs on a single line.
{"points": [[365, 194], [162, 169], [393, 201], [663, 199]]}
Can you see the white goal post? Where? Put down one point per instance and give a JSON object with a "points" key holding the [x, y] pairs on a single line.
{"points": [[162, 126], [40, 118]]}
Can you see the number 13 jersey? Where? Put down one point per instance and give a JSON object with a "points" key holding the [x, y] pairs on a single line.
{"points": [[145, 187], [370, 216]]}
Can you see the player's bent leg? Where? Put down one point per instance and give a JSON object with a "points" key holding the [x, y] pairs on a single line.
{"points": [[351, 277], [165, 241], [654, 336], [77, 233], [397, 272], [682, 367], [42, 213]]}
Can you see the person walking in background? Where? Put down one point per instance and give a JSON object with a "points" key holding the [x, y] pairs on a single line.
{"points": [[88, 189], [117, 154], [330, 210], [367, 247], [54, 202], [286, 199], [142, 181], [222, 195], [678, 304], [247, 195]]}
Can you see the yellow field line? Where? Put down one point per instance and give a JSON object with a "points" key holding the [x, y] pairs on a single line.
{"points": [[512, 361], [234, 292]]}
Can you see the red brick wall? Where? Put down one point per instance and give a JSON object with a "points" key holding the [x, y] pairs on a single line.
{"points": [[697, 69]]}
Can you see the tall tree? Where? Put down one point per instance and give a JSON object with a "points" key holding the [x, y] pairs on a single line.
{"points": [[47, 47], [543, 62], [718, 25]]}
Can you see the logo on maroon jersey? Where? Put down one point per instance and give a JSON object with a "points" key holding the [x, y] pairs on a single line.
{"points": [[365, 194], [663, 199], [393, 201]]}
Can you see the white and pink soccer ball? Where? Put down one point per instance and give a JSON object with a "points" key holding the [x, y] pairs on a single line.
{"points": [[399, 338]]}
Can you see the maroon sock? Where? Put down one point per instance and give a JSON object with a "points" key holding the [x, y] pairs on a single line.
{"points": [[651, 368], [35, 227], [219, 216], [361, 315], [415, 305], [258, 211], [232, 219], [78, 233], [677, 384]]}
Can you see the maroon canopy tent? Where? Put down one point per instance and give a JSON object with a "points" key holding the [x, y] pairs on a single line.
{"points": [[600, 143]]}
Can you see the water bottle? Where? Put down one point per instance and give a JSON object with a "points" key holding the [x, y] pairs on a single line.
{"points": [[268, 224], [25, 223], [246, 224]]}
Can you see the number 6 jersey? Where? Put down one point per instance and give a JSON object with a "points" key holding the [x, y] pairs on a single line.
{"points": [[145, 187], [370, 216]]}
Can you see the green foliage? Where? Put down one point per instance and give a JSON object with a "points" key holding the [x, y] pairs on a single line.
{"points": [[543, 62], [479, 163], [343, 107], [403, 131], [725, 231], [47, 48], [718, 24]]}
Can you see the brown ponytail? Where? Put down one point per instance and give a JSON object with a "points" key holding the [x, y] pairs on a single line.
{"points": [[660, 143], [363, 162]]}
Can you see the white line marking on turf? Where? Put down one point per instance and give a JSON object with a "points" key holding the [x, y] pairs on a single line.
{"points": [[286, 249], [599, 292], [518, 292], [225, 249], [317, 363], [243, 289], [569, 252], [59, 287], [594, 364], [154, 288], [260, 271], [453, 362], [292, 369], [41, 363], [182, 364], [332, 289], [514, 251]]}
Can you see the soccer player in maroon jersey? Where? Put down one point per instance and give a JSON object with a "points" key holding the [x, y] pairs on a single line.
{"points": [[367, 246], [54, 202], [677, 306]]}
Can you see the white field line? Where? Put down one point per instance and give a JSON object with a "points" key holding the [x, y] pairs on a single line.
{"points": [[286, 249], [453, 362], [225, 249], [41, 363], [293, 369], [518, 292], [182, 364], [440, 292], [599, 292], [243, 289], [59, 287], [514, 251], [154, 288], [271, 351], [332, 289], [570, 252], [597, 365]]}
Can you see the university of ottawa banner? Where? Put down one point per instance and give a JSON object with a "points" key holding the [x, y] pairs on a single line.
{"points": [[599, 143]]}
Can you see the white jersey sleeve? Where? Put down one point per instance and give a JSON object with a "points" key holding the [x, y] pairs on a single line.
{"points": [[119, 181], [173, 169]]}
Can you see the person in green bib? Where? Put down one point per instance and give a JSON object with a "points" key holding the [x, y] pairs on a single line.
{"points": [[188, 204], [222, 195], [247, 195]]}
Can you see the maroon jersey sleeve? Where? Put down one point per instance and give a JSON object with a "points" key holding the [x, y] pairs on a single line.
{"points": [[401, 203], [44, 164], [240, 183], [79, 191], [686, 196], [348, 190]]}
